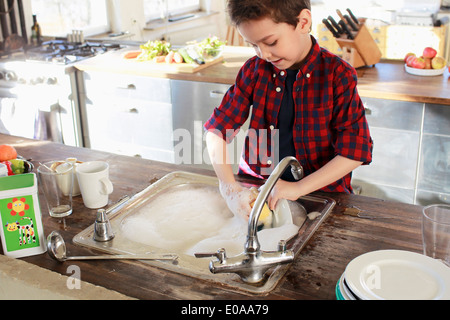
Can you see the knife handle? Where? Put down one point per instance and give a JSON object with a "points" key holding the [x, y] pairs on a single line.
{"points": [[351, 23], [346, 30], [335, 25], [340, 14], [353, 16], [330, 27]]}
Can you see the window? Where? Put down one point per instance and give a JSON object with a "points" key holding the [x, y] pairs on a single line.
{"points": [[159, 9], [60, 17]]}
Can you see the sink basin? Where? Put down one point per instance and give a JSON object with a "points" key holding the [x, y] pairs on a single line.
{"points": [[183, 213]]}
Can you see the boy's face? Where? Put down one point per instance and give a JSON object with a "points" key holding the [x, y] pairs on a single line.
{"points": [[279, 43]]}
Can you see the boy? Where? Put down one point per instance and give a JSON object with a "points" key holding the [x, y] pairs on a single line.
{"points": [[305, 92]]}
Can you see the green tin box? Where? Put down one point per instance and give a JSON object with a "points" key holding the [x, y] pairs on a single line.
{"points": [[21, 228]]}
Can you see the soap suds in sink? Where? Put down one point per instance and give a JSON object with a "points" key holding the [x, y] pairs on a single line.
{"points": [[188, 219]]}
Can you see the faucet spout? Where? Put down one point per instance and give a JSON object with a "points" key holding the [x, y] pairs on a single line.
{"points": [[252, 244], [252, 264]]}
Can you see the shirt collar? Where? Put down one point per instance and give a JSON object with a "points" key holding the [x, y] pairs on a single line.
{"points": [[311, 59]]}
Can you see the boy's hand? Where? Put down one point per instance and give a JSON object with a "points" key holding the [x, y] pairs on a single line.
{"points": [[238, 198], [283, 190]]}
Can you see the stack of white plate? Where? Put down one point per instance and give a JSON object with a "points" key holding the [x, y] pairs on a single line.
{"points": [[394, 275]]}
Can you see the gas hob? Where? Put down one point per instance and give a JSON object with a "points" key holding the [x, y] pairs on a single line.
{"points": [[64, 52]]}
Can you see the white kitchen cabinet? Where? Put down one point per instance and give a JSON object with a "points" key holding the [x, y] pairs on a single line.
{"points": [[128, 115], [411, 157]]}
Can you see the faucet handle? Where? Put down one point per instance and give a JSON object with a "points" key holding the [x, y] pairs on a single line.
{"points": [[220, 254], [102, 227], [282, 246]]}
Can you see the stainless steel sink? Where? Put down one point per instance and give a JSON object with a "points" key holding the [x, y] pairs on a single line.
{"points": [[187, 264]]}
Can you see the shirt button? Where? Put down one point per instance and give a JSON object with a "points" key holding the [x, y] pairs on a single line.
{"points": [[282, 73], [308, 75], [274, 75], [269, 162], [272, 127], [278, 89]]}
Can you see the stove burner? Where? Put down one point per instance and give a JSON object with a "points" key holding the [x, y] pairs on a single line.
{"points": [[63, 52]]}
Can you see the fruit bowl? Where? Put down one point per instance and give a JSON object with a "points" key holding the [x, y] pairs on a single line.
{"points": [[425, 72]]}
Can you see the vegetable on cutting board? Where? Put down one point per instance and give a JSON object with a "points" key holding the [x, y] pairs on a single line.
{"points": [[161, 52]]}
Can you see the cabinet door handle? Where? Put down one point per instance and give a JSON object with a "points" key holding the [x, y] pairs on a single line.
{"points": [[133, 110], [216, 94], [128, 87]]}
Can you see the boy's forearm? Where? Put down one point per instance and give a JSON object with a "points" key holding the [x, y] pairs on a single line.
{"points": [[217, 150], [331, 172]]}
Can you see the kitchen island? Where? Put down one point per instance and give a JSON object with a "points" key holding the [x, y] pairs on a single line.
{"points": [[313, 274]]}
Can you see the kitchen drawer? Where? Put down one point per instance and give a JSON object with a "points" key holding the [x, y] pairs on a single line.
{"points": [[437, 119], [193, 104], [425, 198], [393, 114], [127, 86], [395, 159], [434, 170], [384, 192], [129, 122]]}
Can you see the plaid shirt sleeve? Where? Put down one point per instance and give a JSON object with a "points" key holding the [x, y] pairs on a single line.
{"points": [[329, 114], [234, 110], [352, 137]]}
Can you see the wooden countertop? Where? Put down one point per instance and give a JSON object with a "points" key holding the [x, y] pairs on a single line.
{"points": [[386, 80], [313, 274]]}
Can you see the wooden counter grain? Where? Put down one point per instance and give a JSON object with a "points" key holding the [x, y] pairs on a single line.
{"points": [[313, 274], [385, 80]]}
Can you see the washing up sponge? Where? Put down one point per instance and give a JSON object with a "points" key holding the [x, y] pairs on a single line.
{"points": [[266, 216]]}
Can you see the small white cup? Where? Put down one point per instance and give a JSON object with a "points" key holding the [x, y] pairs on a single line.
{"points": [[95, 186]]}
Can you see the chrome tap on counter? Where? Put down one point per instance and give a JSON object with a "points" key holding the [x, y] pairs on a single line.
{"points": [[253, 263], [102, 227]]}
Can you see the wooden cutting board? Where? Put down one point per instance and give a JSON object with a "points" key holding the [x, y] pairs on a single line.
{"points": [[170, 67]]}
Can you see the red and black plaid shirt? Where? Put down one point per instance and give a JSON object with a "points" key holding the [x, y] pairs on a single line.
{"points": [[329, 114]]}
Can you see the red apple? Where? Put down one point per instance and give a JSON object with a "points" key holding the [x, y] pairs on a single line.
{"points": [[438, 62], [427, 63], [429, 52], [418, 63], [409, 54], [410, 59]]}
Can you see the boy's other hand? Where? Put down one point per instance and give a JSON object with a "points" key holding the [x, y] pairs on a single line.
{"points": [[238, 198]]}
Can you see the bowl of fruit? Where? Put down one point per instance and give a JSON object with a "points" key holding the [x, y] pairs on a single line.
{"points": [[428, 64], [12, 162]]}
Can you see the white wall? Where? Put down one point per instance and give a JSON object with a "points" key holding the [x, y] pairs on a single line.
{"points": [[128, 16]]}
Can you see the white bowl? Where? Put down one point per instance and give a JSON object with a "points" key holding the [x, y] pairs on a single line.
{"points": [[425, 72]]}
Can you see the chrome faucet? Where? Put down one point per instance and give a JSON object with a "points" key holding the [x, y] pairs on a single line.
{"points": [[253, 263]]}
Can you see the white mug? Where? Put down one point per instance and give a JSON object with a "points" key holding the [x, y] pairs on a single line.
{"points": [[95, 186]]}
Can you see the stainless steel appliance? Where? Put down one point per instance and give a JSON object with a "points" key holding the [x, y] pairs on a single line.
{"points": [[39, 94]]}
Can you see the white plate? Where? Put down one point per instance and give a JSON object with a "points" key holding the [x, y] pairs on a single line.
{"points": [[346, 294], [398, 275], [424, 72]]}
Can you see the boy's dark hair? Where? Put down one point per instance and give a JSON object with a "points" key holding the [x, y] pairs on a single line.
{"points": [[279, 11]]}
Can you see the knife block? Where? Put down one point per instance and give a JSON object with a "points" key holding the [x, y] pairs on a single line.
{"points": [[362, 50]]}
